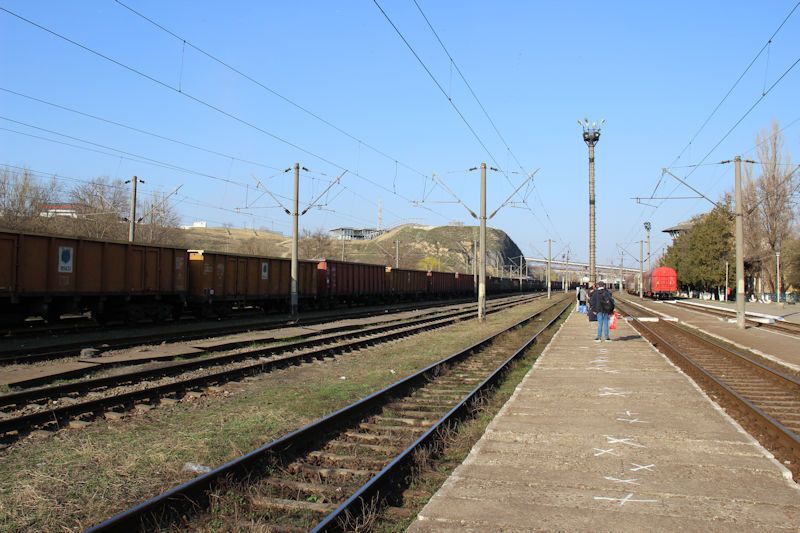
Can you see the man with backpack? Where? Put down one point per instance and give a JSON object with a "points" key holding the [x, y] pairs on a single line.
{"points": [[602, 303]]}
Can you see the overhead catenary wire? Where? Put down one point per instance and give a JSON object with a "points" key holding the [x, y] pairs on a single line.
{"points": [[265, 87], [486, 114], [210, 106], [714, 111], [139, 130], [155, 195]]}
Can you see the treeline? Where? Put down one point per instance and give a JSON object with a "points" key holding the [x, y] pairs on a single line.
{"points": [[771, 222], [95, 209]]}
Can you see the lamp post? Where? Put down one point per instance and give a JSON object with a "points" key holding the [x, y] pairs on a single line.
{"points": [[591, 134]]}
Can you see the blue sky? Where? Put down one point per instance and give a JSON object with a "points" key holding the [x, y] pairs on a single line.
{"points": [[653, 70]]}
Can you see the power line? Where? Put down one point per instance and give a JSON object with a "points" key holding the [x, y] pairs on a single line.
{"points": [[736, 83], [207, 104], [436, 82], [138, 130], [716, 108], [184, 198], [267, 88], [486, 113]]}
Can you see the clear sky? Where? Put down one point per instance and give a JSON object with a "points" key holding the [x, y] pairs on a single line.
{"points": [[654, 70]]}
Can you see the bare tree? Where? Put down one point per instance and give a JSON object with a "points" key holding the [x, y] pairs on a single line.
{"points": [[769, 214], [315, 244], [23, 198], [101, 205], [159, 221]]}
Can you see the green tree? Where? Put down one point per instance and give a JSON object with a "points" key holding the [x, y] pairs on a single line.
{"points": [[699, 255]]}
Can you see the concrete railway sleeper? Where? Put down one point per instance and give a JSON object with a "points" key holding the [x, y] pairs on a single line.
{"points": [[201, 330], [763, 399], [326, 475], [268, 359]]}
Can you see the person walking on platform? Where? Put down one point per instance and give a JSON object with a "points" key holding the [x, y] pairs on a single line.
{"points": [[583, 296], [602, 303]]}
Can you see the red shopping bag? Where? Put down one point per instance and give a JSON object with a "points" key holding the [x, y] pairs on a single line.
{"points": [[612, 322]]}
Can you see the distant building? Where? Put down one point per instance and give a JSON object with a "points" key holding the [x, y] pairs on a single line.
{"points": [[356, 234], [676, 230], [59, 210], [196, 224]]}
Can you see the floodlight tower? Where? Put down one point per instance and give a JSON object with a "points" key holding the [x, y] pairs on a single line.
{"points": [[591, 134]]}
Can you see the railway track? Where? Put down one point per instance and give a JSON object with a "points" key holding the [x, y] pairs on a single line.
{"points": [[785, 327], [50, 407], [196, 330], [763, 398], [328, 474]]}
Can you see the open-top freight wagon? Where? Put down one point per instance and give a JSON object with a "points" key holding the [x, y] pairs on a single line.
{"points": [[43, 275], [218, 282], [49, 276]]}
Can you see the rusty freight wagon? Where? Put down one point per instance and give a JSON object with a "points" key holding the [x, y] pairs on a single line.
{"points": [[441, 284], [47, 276], [341, 281], [465, 283], [219, 282], [406, 284]]}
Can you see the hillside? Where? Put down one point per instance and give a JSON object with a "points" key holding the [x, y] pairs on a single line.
{"points": [[446, 248]]}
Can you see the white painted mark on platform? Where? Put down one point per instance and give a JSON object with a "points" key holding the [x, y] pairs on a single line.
{"points": [[623, 440], [633, 420], [623, 501], [599, 360], [611, 391], [602, 451], [637, 467], [624, 481]]}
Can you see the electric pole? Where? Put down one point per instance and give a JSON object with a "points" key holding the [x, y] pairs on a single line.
{"points": [[740, 295], [621, 260], [520, 273], [132, 220], [778, 276], [726, 281], [397, 253], [549, 243], [641, 266], [474, 266], [482, 275], [647, 227], [295, 238]]}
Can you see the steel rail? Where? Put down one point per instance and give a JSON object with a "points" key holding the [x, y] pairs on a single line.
{"points": [[73, 347], [59, 414], [173, 368], [785, 436], [194, 494], [382, 481]]}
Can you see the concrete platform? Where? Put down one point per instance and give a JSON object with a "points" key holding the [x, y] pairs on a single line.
{"points": [[612, 437], [789, 312], [777, 346], [29, 375], [148, 353]]}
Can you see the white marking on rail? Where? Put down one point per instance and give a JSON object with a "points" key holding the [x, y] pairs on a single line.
{"points": [[623, 440], [624, 500], [638, 467], [602, 451], [624, 481]]}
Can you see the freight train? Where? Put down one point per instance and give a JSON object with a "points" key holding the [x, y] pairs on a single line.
{"points": [[48, 276], [660, 284]]}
